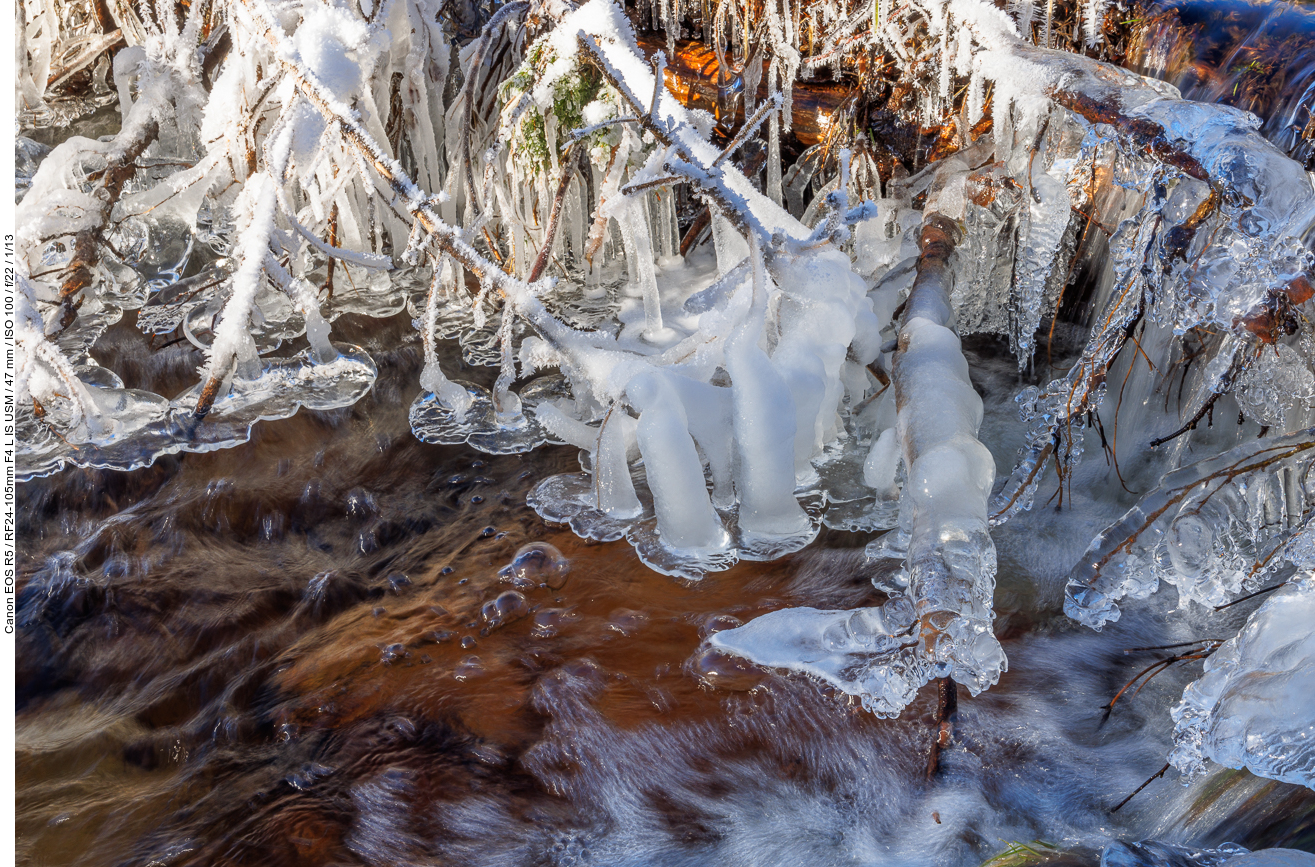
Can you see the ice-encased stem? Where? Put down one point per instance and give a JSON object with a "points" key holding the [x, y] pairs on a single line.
{"points": [[612, 483], [951, 558], [231, 335]]}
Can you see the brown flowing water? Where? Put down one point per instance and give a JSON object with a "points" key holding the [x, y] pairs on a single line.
{"points": [[284, 653], [301, 651]]}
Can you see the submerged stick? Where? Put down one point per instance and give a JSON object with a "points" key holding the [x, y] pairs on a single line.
{"points": [[1155, 776]]}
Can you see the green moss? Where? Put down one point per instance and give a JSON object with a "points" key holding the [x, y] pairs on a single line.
{"points": [[571, 93]]}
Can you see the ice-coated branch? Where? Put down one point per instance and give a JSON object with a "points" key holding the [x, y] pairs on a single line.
{"points": [[419, 205], [232, 336], [951, 558], [1192, 516]]}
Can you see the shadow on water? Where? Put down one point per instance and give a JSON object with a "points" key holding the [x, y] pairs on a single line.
{"points": [[300, 651]]}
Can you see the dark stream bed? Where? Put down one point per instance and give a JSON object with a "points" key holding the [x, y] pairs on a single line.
{"points": [[300, 651]]}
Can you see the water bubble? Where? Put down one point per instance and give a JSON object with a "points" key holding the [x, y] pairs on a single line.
{"points": [[397, 581], [626, 621], [116, 567], [272, 526], [548, 621], [446, 570], [309, 774], [721, 670], [487, 532], [476, 500], [536, 565], [508, 607], [393, 652], [316, 586], [311, 493], [468, 642], [469, 667], [716, 623], [213, 514]]}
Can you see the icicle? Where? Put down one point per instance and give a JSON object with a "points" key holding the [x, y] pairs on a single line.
{"points": [[774, 189], [976, 97], [947, 62], [685, 516], [728, 244], [577, 210], [1093, 21], [614, 488], [506, 403], [307, 302], [1024, 11], [639, 245], [432, 380]]}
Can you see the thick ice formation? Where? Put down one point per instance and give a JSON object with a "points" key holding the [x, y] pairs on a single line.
{"points": [[1254, 707], [1215, 529]]}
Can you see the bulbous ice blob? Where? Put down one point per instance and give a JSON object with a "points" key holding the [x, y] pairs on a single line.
{"points": [[1190, 542], [508, 607], [764, 422], [537, 564], [1253, 707]]}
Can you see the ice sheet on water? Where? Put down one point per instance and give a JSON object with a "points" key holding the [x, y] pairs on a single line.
{"points": [[850, 501], [572, 498], [867, 652], [481, 426], [148, 427], [1254, 707], [274, 319], [168, 307]]}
